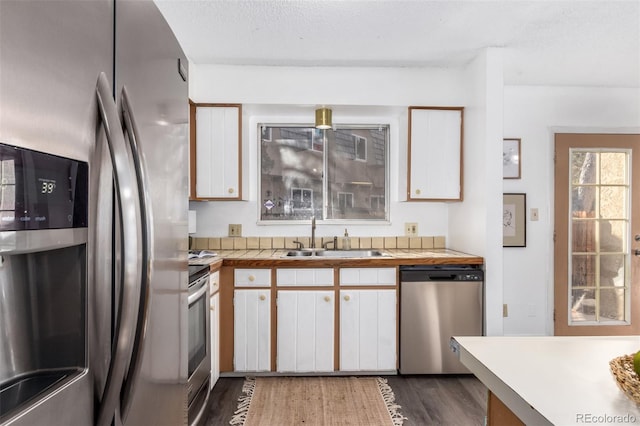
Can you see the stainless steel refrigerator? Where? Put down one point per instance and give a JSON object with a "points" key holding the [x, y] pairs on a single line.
{"points": [[93, 312]]}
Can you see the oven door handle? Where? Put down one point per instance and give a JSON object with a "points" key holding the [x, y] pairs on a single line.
{"points": [[203, 285], [146, 229], [128, 213]]}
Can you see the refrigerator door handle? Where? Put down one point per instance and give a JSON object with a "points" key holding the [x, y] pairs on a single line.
{"points": [[146, 229], [129, 218]]}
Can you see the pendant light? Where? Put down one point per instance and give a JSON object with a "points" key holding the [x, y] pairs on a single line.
{"points": [[323, 118]]}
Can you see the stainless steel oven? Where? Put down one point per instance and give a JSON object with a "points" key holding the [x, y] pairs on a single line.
{"points": [[199, 344]]}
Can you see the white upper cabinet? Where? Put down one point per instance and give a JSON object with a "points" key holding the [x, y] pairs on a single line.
{"points": [[435, 154], [218, 155]]}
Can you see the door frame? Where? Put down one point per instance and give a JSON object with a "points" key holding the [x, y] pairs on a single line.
{"points": [[560, 267]]}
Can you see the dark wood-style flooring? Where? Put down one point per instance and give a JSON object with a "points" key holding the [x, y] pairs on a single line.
{"points": [[457, 400]]}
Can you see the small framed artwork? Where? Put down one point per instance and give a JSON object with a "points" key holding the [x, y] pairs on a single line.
{"points": [[511, 158], [514, 224]]}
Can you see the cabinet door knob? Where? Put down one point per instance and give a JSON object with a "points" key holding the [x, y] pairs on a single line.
{"points": [[230, 190], [252, 278], [418, 192], [327, 299], [347, 297], [263, 297]]}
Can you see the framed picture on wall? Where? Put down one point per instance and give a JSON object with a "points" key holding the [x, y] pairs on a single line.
{"points": [[511, 158], [514, 224]]}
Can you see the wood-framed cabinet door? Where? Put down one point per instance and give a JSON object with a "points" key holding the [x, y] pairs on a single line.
{"points": [[597, 234], [435, 169], [217, 151]]}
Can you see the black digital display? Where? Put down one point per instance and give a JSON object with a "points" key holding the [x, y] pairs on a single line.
{"points": [[41, 191]]}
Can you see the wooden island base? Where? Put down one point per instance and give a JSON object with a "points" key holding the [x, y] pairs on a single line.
{"points": [[499, 414]]}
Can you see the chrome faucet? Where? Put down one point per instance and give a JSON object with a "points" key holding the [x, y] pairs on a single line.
{"points": [[313, 232]]}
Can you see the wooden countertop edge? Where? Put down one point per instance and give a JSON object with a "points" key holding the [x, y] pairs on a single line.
{"points": [[274, 258], [386, 261]]}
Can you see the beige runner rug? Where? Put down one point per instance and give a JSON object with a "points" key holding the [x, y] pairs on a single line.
{"points": [[353, 401]]}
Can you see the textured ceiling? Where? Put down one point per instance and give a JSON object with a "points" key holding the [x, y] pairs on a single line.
{"points": [[576, 42]]}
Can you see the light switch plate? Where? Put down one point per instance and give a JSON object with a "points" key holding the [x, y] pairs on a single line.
{"points": [[534, 214]]}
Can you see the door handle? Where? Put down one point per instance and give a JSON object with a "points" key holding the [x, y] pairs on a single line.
{"points": [[131, 130], [129, 216]]}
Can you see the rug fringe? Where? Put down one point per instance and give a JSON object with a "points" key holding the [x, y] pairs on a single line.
{"points": [[390, 401], [240, 415]]}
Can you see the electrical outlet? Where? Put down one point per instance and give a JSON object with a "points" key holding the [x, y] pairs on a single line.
{"points": [[411, 229], [235, 230], [505, 310]]}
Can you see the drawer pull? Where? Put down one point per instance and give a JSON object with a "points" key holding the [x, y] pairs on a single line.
{"points": [[252, 278], [347, 297], [263, 297], [327, 299]]}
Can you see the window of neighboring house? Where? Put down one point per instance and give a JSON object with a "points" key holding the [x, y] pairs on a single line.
{"points": [[377, 202], [345, 201], [330, 174], [360, 147]]}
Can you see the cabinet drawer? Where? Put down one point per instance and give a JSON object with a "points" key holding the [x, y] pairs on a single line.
{"points": [[305, 277], [252, 277], [368, 276]]}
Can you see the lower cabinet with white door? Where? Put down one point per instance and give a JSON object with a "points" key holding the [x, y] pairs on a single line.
{"points": [[314, 332], [305, 320], [367, 330], [305, 331], [252, 320], [368, 319], [252, 330]]}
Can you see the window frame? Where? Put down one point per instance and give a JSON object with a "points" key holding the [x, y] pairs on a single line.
{"points": [[325, 186]]}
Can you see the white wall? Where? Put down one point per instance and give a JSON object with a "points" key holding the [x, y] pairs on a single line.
{"points": [[475, 225], [290, 94], [535, 114]]}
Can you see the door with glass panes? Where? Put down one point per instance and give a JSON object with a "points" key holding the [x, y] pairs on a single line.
{"points": [[597, 234]]}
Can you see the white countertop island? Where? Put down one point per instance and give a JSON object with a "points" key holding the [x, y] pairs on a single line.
{"points": [[553, 380]]}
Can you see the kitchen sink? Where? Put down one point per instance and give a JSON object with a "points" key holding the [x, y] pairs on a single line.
{"points": [[334, 253]]}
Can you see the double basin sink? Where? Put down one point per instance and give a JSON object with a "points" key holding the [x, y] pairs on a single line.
{"points": [[306, 253]]}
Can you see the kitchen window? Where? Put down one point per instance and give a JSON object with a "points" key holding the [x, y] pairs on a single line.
{"points": [[338, 174]]}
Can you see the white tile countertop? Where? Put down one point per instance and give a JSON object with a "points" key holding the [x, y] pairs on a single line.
{"points": [[551, 379]]}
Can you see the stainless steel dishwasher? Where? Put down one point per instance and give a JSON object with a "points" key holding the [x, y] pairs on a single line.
{"points": [[437, 302]]}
